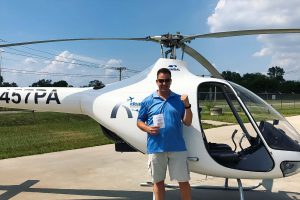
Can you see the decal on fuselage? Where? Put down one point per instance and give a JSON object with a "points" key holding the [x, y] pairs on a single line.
{"points": [[173, 68], [131, 106], [16, 97]]}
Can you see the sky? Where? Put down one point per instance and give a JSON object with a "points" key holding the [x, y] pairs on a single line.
{"points": [[80, 62]]}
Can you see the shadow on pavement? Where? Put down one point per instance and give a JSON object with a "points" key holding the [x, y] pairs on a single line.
{"points": [[14, 190]]}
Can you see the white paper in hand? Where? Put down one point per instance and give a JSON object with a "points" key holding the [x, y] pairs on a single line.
{"points": [[158, 120]]}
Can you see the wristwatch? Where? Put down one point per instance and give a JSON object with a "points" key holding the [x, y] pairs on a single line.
{"points": [[187, 107]]}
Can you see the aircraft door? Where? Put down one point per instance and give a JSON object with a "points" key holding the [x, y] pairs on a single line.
{"points": [[229, 136]]}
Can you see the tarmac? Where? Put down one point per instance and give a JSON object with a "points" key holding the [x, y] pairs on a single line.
{"points": [[101, 173]]}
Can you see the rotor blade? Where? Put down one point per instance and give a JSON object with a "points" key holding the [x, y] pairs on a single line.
{"points": [[202, 60], [71, 39], [240, 33]]}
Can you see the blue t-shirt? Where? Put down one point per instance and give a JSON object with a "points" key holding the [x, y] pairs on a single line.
{"points": [[170, 137]]}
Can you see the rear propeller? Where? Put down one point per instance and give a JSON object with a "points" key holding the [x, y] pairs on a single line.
{"points": [[173, 42]]}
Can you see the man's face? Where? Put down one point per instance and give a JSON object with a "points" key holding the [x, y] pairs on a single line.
{"points": [[163, 82]]}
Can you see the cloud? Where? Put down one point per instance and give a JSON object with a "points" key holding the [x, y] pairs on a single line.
{"points": [[69, 63], [243, 14], [263, 14], [64, 64], [263, 52], [29, 61], [60, 62]]}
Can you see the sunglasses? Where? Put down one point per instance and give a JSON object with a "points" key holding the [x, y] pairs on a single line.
{"points": [[164, 80]]}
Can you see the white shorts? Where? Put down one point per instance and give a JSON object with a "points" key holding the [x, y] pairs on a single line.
{"points": [[176, 162]]}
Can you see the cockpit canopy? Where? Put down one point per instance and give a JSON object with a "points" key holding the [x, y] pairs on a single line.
{"points": [[276, 130]]}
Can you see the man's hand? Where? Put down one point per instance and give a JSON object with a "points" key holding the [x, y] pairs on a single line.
{"points": [[185, 99], [188, 115], [153, 130]]}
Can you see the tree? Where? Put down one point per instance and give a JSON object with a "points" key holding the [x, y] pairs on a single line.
{"points": [[257, 82], [276, 73], [42, 83], [96, 83], [7, 84], [61, 83], [290, 86], [232, 76]]}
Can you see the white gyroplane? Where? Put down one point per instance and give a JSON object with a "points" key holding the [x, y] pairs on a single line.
{"points": [[258, 144]]}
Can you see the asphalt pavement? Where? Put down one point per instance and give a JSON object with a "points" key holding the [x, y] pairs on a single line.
{"points": [[101, 173]]}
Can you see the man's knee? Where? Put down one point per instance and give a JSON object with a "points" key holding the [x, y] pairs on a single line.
{"points": [[184, 184], [159, 184]]}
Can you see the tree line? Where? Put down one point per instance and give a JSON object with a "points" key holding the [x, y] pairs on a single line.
{"points": [[49, 83], [273, 82]]}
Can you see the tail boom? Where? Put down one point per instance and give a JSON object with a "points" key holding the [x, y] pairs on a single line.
{"points": [[66, 100]]}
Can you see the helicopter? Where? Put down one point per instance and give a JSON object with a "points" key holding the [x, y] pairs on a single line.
{"points": [[258, 144]]}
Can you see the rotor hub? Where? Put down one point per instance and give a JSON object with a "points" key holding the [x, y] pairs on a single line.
{"points": [[171, 40]]}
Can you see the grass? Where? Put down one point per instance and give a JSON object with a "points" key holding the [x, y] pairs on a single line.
{"points": [[35, 133], [228, 116], [29, 133], [225, 117], [287, 112]]}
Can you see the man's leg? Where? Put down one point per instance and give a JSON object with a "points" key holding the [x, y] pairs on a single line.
{"points": [[185, 190], [159, 190], [158, 166], [179, 171]]}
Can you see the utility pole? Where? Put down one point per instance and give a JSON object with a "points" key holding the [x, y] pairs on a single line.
{"points": [[120, 69], [1, 62]]}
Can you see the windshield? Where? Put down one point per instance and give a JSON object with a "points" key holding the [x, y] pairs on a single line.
{"points": [[277, 131]]}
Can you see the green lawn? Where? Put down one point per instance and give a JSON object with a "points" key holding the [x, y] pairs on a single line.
{"points": [[29, 133], [34, 133], [228, 116]]}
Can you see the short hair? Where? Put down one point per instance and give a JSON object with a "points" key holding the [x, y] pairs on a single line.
{"points": [[164, 71]]}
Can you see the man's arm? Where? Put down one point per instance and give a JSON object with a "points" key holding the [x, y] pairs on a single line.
{"points": [[188, 115]]}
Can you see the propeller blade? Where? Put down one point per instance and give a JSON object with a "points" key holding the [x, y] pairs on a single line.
{"points": [[202, 60], [71, 39], [240, 33]]}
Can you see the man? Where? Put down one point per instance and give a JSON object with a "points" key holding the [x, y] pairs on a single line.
{"points": [[161, 115]]}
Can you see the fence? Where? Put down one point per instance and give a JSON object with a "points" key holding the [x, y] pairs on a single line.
{"points": [[282, 100]]}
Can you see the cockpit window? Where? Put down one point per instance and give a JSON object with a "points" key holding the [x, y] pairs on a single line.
{"points": [[277, 131]]}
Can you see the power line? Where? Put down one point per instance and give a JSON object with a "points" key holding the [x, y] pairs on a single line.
{"points": [[55, 74], [102, 66], [47, 59], [94, 65], [91, 64], [61, 56]]}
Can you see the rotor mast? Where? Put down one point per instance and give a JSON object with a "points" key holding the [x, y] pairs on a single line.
{"points": [[171, 42]]}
